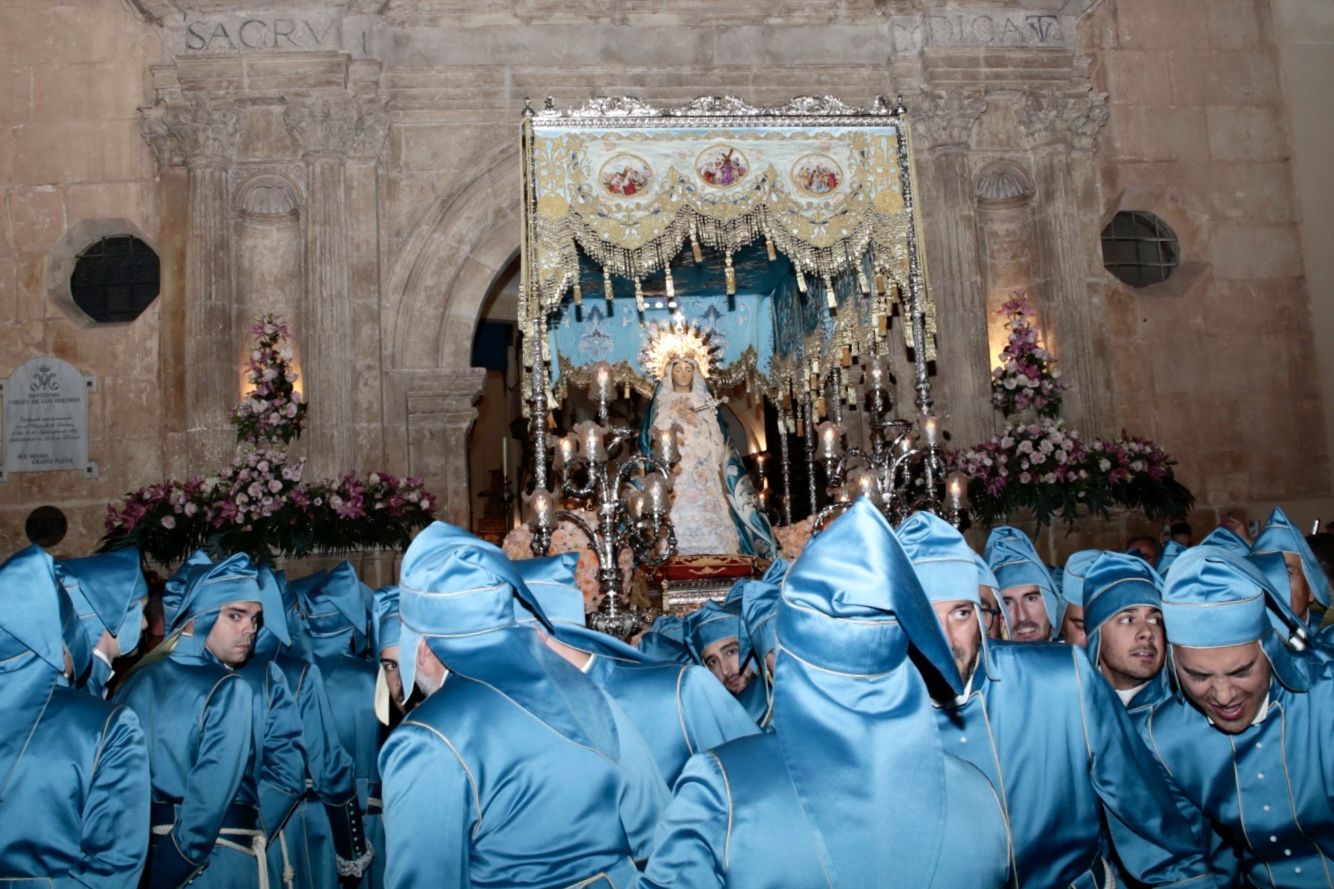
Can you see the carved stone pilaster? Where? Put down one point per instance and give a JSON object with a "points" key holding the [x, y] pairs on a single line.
{"points": [[1061, 128], [941, 118], [201, 133], [1050, 117]]}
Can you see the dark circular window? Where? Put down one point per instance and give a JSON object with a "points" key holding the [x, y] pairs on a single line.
{"points": [[115, 279], [1139, 248], [46, 526]]}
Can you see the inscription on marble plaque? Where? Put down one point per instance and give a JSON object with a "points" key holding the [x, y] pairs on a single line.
{"points": [[255, 33], [978, 28], [46, 418]]}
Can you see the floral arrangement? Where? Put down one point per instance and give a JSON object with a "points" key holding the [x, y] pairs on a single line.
{"points": [[273, 411], [792, 539], [1038, 464], [259, 504], [1046, 468], [566, 538], [1028, 380]]}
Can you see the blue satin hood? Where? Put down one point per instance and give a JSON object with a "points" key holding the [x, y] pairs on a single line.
{"points": [[1115, 582], [1011, 555], [666, 641], [200, 588], [849, 608], [1281, 536], [1226, 539], [1215, 597], [552, 582], [333, 604], [710, 623], [759, 607], [107, 590], [947, 567], [386, 618], [1074, 576], [457, 593], [38, 615], [1171, 552]]}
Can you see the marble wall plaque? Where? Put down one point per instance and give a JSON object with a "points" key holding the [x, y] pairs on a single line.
{"points": [[46, 418]]}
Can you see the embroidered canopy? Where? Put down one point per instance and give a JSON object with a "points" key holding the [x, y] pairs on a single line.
{"points": [[806, 209]]}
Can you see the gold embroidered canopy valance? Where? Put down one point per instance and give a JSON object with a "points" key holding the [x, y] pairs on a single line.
{"points": [[631, 188]]}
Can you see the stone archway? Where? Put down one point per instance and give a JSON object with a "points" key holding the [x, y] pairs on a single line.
{"points": [[433, 300]]}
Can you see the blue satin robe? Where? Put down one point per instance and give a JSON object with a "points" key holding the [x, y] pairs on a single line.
{"points": [[679, 710], [735, 821], [1268, 792], [1062, 753], [74, 811], [203, 725], [480, 793], [330, 778], [350, 682]]}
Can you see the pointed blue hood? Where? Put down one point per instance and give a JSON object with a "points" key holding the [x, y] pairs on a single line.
{"points": [[552, 582], [1012, 556], [1115, 582], [1281, 536], [457, 592], [1214, 597], [107, 590], [845, 691]]}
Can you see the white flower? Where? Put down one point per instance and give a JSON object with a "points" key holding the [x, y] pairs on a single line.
{"points": [[285, 353], [168, 522], [1104, 464], [275, 486], [191, 508]]}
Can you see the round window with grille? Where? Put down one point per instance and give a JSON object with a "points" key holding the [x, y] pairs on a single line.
{"points": [[115, 279], [1139, 248]]}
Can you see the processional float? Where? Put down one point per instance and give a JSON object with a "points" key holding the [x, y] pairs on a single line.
{"points": [[777, 252]]}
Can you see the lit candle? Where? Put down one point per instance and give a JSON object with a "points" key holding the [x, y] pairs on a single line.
{"points": [[505, 457], [634, 501], [864, 483], [544, 508], [956, 491], [657, 490], [873, 377], [602, 381], [831, 440], [566, 449], [930, 425], [592, 441], [665, 444]]}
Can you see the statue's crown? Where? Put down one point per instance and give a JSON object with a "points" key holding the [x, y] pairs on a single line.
{"points": [[665, 343]]}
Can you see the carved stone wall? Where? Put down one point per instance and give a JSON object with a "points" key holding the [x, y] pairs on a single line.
{"points": [[353, 164]]}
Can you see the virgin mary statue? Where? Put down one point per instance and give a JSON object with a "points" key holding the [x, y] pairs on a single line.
{"points": [[714, 506]]}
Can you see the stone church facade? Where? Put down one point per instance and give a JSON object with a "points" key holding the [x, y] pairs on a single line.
{"points": [[353, 165]]}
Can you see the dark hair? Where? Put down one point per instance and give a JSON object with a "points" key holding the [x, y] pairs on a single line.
{"points": [[1179, 528]]}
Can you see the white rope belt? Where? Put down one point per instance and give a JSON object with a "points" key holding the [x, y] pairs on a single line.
{"points": [[257, 849], [289, 872]]}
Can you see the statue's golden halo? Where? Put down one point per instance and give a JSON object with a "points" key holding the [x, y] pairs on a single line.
{"points": [[665, 343]]}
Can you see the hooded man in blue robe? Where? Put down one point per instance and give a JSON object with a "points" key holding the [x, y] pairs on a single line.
{"points": [[74, 783], [852, 788], [665, 640], [1246, 736], [1124, 620], [1058, 746], [1306, 581], [108, 591], [1073, 594], [510, 772], [217, 798], [718, 642], [325, 838], [1027, 590], [679, 710], [336, 618]]}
